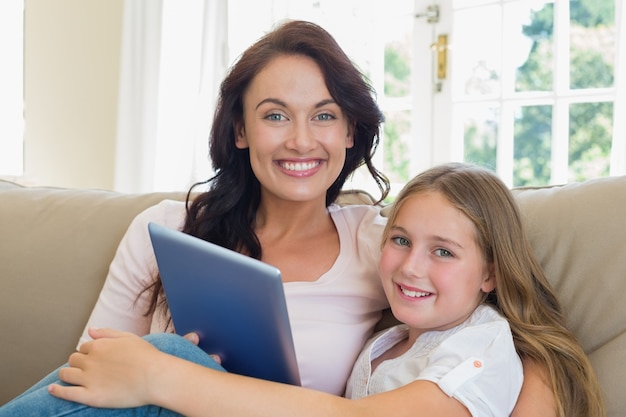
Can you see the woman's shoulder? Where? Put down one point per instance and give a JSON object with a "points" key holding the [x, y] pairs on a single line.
{"points": [[169, 213], [363, 223], [358, 213]]}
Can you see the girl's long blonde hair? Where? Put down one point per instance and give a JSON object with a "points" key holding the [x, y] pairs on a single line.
{"points": [[523, 294]]}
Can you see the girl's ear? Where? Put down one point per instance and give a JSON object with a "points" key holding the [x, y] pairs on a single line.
{"points": [[241, 141], [489, 283]]}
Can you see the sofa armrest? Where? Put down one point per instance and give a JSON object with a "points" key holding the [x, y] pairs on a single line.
{"points": [[55, 250]]}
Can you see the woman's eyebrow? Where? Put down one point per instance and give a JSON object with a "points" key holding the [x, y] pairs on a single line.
{"points": [[283, 104], [271, 100], [325, 102]]}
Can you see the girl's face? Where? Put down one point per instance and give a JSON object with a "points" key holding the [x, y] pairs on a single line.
{"points": [[432, 269], [296, 133]]}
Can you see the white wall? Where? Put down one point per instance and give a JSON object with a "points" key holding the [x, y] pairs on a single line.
{"points": [[71, 77]]}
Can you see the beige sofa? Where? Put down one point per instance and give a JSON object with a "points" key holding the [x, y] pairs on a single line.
{"points": [[56, 244]]}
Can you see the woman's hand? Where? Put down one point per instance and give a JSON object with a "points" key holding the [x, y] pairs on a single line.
{"points": [[195, 339], [113, 370]]}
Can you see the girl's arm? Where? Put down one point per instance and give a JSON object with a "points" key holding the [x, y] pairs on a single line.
{"points": [[122, 370], [536, 398]]}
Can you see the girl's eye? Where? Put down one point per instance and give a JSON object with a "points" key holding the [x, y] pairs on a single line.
{"points": [[444, 253], [401, 241]]}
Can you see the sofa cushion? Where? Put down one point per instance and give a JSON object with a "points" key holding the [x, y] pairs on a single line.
{"points": [[578, 233]]}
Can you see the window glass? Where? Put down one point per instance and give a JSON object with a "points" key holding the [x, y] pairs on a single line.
{"points": [[477, 51], [591, 130], [481, 134], [592, 43], [396, 146], [534, 51], [532, 145]]}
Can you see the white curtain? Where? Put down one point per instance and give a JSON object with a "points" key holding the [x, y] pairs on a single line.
{"points": [[173, 57], [618, 152]]}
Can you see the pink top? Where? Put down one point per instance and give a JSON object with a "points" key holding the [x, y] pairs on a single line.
{"points": [[331, 318]]}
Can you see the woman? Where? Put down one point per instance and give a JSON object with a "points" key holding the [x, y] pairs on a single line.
{"points": [[285, 137], [294, 119]]}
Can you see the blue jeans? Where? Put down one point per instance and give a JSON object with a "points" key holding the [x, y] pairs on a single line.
{"points": [[38, 402]]}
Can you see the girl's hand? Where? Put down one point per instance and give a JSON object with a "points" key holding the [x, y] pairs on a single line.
{"points": [[113, 371]]}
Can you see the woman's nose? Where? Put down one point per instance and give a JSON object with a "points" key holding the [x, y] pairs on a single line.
{"points": [[302, 138]]}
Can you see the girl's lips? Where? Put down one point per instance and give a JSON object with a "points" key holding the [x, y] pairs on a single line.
{"points": [[413, 293]]}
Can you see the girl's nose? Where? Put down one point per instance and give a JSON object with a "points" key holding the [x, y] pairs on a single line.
{"points": [[413, 265]]}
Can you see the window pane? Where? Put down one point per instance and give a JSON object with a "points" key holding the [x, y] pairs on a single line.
{"points": [[592, 43], [535, 37], [398, 59], [532, 145], [591, 130], [396, 146], [477, 52], [481, 135]]}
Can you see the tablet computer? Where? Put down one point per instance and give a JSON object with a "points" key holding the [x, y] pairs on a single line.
{"points": [[235, 303]]}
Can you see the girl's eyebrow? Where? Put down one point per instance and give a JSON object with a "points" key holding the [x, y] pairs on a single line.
{"points": [[434, 238], [283, 104]]}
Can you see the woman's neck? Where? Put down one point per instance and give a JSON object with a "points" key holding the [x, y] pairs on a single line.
{"points": [[290, 218], [292, 232]]}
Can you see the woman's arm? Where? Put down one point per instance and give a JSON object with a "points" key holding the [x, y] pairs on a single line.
{"points": [[536, 398], [122, 370]]}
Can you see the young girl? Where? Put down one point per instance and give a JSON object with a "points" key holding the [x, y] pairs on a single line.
{"points": [[456, 268]]}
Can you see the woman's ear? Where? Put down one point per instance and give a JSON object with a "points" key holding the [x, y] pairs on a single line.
{"points": [[350, 136], [241, 141]]}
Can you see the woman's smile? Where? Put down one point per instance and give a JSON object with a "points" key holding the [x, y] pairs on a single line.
{"points": [[299, 168]]}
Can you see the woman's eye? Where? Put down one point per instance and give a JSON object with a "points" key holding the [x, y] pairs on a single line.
{"points": [[444, 253], [324, 117], [275, 117], [401, 241]]}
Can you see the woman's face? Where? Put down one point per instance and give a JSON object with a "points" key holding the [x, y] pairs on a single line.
{"points": [[432, 269], [296, 133]]}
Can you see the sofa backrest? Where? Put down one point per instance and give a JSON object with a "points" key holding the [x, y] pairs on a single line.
{"points": [[578, 232], [56, 246], [55, 249]]}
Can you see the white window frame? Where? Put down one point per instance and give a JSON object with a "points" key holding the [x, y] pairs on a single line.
{"points": [[447, 132]]}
